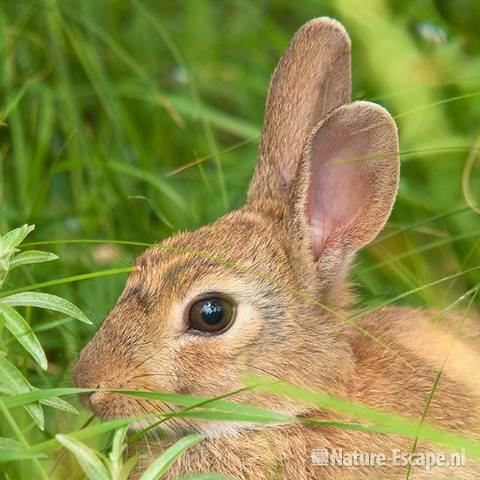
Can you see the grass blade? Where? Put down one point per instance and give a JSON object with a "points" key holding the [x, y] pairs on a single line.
{"points": [[65, 280], [163, 463], [37, 395], [255, 414], [381, 421], [207, 476]]}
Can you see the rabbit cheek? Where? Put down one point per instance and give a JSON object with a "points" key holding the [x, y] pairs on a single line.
{"points": [[205, 368]]}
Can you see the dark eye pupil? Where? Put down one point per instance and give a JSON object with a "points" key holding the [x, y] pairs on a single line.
{"points": [[210, 315], [212, 312]]}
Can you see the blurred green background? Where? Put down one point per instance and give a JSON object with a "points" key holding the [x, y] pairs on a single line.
{"points": [[131, 120]]}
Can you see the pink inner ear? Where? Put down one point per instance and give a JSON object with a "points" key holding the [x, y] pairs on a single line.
{"points": [[339, 184]]}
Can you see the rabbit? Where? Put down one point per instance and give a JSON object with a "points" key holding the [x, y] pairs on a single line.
{"points": [[264, 289]]}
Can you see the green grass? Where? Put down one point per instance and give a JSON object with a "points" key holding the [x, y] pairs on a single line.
{"points": [[103, 104]]}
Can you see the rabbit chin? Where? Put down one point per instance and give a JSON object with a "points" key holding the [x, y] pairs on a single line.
{"points": [[175, 428]]}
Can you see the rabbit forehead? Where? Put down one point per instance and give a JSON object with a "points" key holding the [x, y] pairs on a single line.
{"points": [[238, 249]]}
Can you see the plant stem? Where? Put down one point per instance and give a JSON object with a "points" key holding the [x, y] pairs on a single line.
{"points": [[20, 436]]}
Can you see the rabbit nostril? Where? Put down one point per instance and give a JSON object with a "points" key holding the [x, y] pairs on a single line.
{"points": [[90, 394]]}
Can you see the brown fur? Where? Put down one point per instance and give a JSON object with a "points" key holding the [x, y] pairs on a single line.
{"points": [[283, 258]]}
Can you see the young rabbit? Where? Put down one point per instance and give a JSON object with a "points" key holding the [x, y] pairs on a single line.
{"points": [[264, 290]]}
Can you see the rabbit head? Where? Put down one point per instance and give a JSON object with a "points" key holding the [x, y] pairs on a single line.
{"points": [[257, 291]]}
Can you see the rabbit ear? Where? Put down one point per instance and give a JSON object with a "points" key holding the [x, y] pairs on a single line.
{"points": [[312, 78], [346, 183]]}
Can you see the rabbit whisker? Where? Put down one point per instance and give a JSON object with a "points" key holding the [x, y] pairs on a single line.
{"points": [[154, 375], [138, 365], [266, 372]]}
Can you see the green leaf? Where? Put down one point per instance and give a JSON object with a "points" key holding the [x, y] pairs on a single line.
{"points": [[31, 256], [53, 445], [158, 468], [13, 382], [14, 238], [116, 451], [22, 331], [4, 265], [128, 467], [10, 444], [47, 301], [118, 443], [8, 244], [59, 404], [88, 459]]}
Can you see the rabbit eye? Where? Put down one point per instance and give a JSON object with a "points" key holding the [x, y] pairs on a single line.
{"points": [[210, 315]]}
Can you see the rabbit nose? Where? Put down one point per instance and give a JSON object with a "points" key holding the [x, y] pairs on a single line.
{"points": [[84, 376], [88, 397]]}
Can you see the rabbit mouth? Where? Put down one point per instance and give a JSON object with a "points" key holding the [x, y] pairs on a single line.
{"points": [[156, 418], [151, 415]]}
